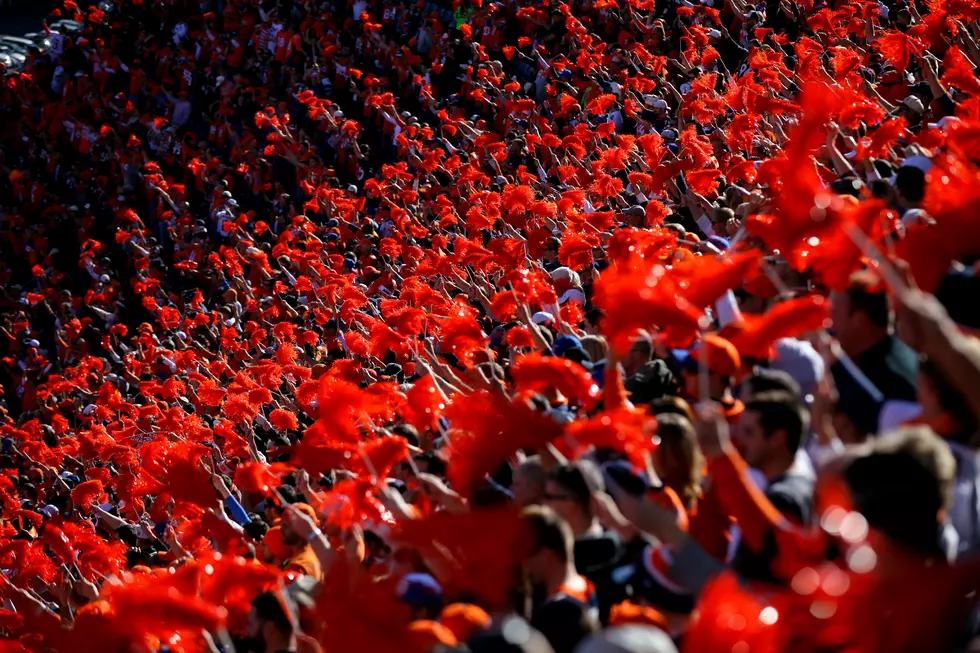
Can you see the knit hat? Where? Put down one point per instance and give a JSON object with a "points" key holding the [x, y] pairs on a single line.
{"points": [[800, 360]]}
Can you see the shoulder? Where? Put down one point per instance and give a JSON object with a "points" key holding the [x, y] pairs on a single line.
{"points": [[793, 496], [305, 562]]}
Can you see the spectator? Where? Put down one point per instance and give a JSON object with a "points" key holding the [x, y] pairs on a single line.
{"points": [[570, 610], [769, 435]]}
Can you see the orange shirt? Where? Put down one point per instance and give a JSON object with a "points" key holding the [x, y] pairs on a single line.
{"points": [[307, 563], [710, 525]]}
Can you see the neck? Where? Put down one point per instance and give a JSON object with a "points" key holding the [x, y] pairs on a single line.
{"points": [[562, 575], [778, 466]]}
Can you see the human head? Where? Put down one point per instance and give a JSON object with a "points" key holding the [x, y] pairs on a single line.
{"points": [[678, 460], [270, 624], [640, 353], [902, 485], [801, 361], [569, 493], [861, 316], [770, 431], [553, 547], [290, 537], [465, 620], [565, 344], [426, 635], [566, 624], [530, 480], [719, 219], [550, 249], [273, 511], [593, 317], [596, 347], [910, 182], [765, 379], [422, 593], [723, 363]]}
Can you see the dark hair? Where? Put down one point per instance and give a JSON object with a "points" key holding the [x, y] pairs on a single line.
{"points": [[257, 528], [579, 479], [879, 187], [272, 607], [902, 484], [491, 369], [565, 624], [289, 493], [434, 464], [594, 315], [534, 469], [643, 346], [872, 304], [722, 214], [781, 411], [407, 431], [578, 355], [550, 532], [547, 336], [766, 379], [911, 183]]}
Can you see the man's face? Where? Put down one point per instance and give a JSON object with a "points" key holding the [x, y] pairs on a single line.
{"points": [[840, 312], [526, 491], [537, 566], [289, 536], [751, 440], [561, 501]]}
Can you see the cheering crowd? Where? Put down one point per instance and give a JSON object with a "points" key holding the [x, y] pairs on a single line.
{"points": [[619, 326]]}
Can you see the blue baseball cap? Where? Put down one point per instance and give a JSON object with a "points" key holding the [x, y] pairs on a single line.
{"points": [[420, 590], [565, 343]]}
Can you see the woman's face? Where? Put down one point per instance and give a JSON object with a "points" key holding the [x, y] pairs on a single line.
{"points": [[658, 462]]}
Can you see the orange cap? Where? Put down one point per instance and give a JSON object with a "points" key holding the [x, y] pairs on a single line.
{"points": [[425, 634], [307, 510], [273, 542], [631, 613], [722, 356], [465, 620]]}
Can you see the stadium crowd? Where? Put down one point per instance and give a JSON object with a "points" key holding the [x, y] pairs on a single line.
{"points": [[607, 326]]}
